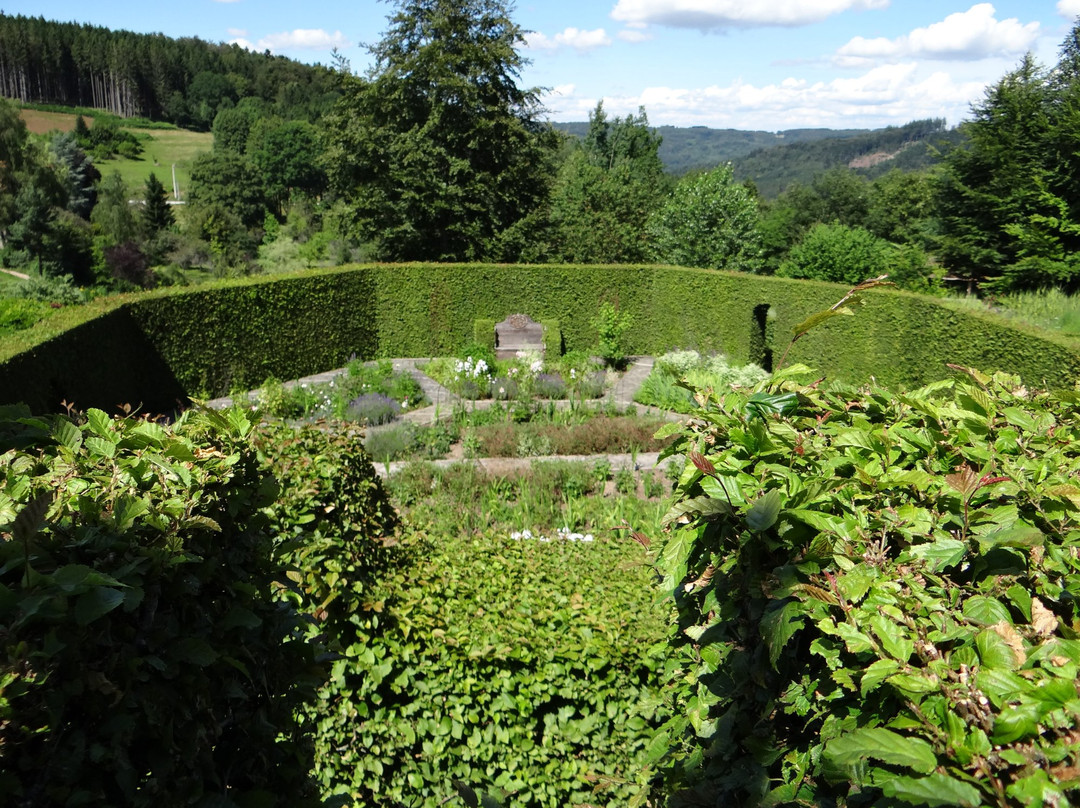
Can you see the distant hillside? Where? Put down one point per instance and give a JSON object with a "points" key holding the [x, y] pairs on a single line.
{"points": [[699, 147], [911, 147], [183, 81]]}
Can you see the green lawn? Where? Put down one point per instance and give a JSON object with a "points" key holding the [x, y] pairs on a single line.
{"points": [[162, 148]]}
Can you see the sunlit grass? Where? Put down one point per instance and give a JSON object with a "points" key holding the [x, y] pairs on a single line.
{"points": [[1050, 309]]}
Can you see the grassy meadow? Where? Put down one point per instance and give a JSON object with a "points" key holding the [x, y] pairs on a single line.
{"points": [[162, 148]]}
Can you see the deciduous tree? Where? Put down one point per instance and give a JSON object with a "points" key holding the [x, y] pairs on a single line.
{"points": [[708, 221]]}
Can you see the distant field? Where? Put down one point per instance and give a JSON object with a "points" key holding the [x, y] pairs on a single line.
{"points": [[161, 149]]}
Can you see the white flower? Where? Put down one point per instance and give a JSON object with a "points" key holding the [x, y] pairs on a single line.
{"points": [[573, 373], [502, 391], [536, 366]]}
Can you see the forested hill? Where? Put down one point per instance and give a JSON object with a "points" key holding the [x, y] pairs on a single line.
{"points": [[184, 81], [911, 147], [698, 147]]}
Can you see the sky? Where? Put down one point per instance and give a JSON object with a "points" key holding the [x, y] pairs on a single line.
{"points": [[738, 64]]}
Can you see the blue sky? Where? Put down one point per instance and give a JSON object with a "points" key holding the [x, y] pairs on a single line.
{"points": [[742, 64]]}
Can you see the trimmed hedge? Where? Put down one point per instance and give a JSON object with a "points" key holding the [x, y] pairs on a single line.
{"points": [[877, 597], [235, 334], [144, 659]]}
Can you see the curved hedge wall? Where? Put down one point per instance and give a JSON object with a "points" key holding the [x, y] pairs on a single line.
{"points": [[154, 348]]}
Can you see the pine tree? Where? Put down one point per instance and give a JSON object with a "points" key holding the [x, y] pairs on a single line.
{"points": [[156, 213]]}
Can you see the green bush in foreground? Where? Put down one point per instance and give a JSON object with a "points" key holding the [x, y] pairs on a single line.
{"points": [[526, 668], [143, 657], [877, 597]]}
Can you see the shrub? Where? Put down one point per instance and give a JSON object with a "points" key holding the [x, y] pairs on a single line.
{"points": [[521, 667], [875, 596], [19, 313], [611, 325], [836, 252], [549, 385], [145, 660], [678, 363], [373, 408]]}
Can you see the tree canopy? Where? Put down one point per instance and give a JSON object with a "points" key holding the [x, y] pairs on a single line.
{"points": [[438, 149]]}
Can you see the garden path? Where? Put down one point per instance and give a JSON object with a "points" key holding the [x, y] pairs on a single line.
{"points": [[443, 401]]}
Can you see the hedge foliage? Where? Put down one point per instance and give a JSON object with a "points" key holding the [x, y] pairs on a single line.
{"points": [[878, 597], [205, 341], [526, 669], [143, 658]]}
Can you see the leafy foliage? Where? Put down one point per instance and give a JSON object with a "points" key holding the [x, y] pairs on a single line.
{"points": [[521, 667], [438, 149], [873, 596], [708, 221], [606, 190], [144, 657], [217, 336], [836, 252]]}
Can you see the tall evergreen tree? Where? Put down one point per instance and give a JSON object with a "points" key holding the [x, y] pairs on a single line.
{"points": [[156, 213], [992, 187], [439, 149]]}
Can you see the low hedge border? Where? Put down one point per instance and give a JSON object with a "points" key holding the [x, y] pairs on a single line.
{"points": [[207, 340]]}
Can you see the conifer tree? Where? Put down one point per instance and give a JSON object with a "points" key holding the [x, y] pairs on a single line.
{"points": [[156, 213], [438, 149]]}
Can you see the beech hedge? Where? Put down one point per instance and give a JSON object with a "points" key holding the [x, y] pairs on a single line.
{"points": [[164, 346], [144, 659], [878, 597]]}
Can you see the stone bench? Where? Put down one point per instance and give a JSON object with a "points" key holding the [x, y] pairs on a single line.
{"points": [[518, 332]]}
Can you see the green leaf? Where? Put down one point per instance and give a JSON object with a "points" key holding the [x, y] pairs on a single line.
{"points": [[913, 684], [69, 435], [706, 507], [994, 652], [194, 650], [893, 638], [762, 405], [127, 509], [100, 423], [986, 611], [881, 744], [814, 320], [764, 513], [101, 447], [940, 553], [933, 790], [877, 673], [779, 624], [97, 602], [1016, 722], [669, 429], [1016, 535]]}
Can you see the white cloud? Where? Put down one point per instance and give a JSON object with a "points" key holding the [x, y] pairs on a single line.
{"points": [[237, 32], [299, 39], [968, 35], [633, 35], [886, 95], [1069, 8], [710, 15], [570, 38]]}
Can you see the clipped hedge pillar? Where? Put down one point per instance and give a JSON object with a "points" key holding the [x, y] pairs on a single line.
{"points": [[484, 333], [553, 341]]}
